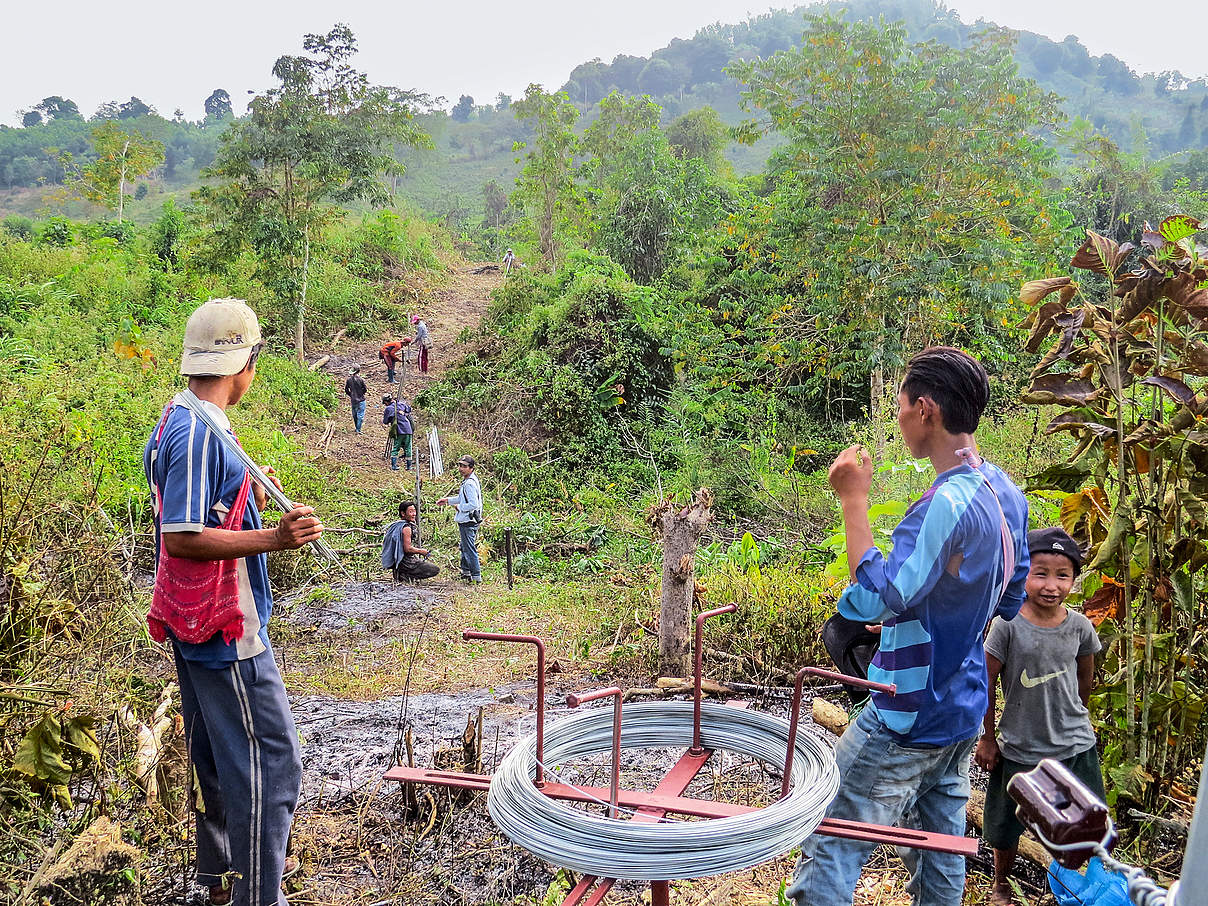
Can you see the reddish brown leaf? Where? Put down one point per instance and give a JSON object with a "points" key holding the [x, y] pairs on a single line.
{"points": [[1066, 389], [1195, 359], [1188, 551], [1043, 320], [1100, 254], [1141, 460], [1151, 238], [1076, 423], [1178, 391], [1189, 294], [1035, 290], [1106, 603]]}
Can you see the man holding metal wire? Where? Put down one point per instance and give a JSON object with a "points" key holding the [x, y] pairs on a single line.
{"points": [[212, 600]]}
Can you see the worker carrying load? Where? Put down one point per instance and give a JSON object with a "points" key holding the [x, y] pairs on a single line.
{"points": [[400, 427]]}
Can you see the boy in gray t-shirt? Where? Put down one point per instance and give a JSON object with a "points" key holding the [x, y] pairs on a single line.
{"points": [[1045, 658]]}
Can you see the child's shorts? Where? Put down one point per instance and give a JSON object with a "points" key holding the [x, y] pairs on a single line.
{"points": [[1002, 829]]}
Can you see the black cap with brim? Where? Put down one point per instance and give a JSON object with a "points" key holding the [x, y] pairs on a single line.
{"points": [[1055, 541]]}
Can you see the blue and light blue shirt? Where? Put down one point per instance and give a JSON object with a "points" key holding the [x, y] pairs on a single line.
{"points": [[934, 595], [467, 503], [198, 480]]}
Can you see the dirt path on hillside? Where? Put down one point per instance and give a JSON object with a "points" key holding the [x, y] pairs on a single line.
{"points": [[449, 309]]}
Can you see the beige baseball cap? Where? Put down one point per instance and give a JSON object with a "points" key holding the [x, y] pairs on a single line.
{"points": [[219, 337]]}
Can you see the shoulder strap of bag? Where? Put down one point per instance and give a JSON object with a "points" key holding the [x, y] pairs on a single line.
{"points": [[1008, 543]]}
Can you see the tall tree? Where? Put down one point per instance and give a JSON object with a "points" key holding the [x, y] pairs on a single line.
{"points": [[323, 137], [646, 200], [55, 107], [495, 201], [134, 108], [121, 157], [463, 108], [218, 104], [911, 178], [31, 118], [699, 134], [546, 187]]}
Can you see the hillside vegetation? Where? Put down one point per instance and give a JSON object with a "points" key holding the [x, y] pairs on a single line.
{"points": [[1152, 114]]}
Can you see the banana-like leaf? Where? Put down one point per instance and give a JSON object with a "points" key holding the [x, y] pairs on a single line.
{"points": [[1064, 476], [1122, 526], [1179, 227], [1176, 389], [1101, 255], [1106, 603], [1076, 422], [1042, 321], [1195, 359], [1063, 389], [1035, 290], [1189, 293]]}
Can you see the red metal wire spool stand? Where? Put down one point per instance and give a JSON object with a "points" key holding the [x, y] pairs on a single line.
{"points": [[667, 797]]}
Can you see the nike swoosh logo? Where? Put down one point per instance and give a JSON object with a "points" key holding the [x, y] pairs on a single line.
{"points": [[1031, 682]]}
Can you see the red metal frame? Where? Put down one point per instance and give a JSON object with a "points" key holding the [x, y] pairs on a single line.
{"points": [[529, 640], [796, 715], [668, 797], [573, 701], [674, 783], [697, 748], [666, 802]]}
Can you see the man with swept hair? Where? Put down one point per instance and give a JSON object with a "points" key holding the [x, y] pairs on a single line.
{"points": [[959, 557]]}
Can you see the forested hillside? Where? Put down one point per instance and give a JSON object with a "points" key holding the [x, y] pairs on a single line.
{"points": [[1152, 114]]}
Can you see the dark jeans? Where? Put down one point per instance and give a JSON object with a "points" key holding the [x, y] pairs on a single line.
{"points": [[470, 567], [244, 748], [358, 415], [389, 373], [421, 569]]}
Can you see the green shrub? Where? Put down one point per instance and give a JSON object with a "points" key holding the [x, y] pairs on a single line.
{"points": [[56, 231], [19, 226]]}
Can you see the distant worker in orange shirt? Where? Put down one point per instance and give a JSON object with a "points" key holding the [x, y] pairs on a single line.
{"points": [[392, 354]]}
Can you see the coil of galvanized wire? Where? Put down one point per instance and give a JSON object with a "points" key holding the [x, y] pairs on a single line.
{"points": [[619, 848]]}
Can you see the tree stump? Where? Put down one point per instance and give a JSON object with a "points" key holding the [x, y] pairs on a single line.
{"points": [[680, 529]]}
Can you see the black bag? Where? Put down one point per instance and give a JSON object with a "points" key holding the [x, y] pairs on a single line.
{"points": [[851, 647]]}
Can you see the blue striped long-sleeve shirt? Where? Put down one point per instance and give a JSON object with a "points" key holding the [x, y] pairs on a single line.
{"points": [[934, 595]]}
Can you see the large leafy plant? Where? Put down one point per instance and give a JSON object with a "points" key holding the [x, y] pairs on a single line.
{"points": [[1126, 367]]}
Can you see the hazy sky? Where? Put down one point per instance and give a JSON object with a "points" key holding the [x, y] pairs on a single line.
{"points": [[173, 55]]}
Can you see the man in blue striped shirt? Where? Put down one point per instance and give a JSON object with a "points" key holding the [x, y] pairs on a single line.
{"points": [[959, 558], [242, 742]]}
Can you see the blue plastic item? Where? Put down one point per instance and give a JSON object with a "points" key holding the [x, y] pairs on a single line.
{"points": [[1098, 887]]}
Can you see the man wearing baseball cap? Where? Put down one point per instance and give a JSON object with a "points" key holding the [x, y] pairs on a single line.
{"points": [[212, 602], [423, 340], [467, 514]]}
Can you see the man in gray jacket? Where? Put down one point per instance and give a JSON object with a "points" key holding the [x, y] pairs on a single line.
{"points": [[468, 516]]}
